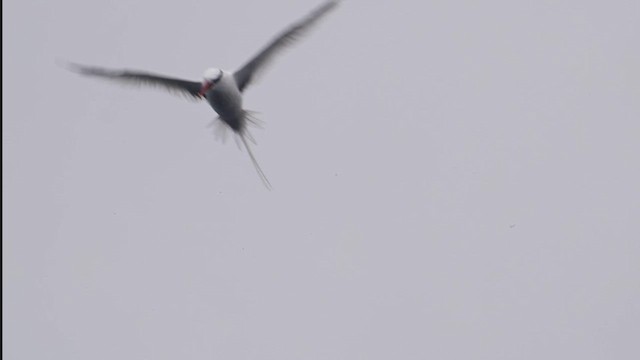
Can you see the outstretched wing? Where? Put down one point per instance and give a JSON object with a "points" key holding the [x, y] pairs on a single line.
{"points": [[245, 75], [183, 87]]}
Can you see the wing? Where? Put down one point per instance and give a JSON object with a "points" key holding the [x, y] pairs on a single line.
{"points": [[246, 74], [183, 87]]}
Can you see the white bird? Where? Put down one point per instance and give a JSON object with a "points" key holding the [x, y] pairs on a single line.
{"points": [[222, 89]]}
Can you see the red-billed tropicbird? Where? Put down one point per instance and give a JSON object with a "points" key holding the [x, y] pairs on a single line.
{"points": [[222, 89]]}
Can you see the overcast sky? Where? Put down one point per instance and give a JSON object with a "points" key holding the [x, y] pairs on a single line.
{"points": [[452, 180]]}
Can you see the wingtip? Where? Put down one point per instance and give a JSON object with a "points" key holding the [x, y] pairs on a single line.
{"points": [[328, 5], [71, 66], [334, 2]]}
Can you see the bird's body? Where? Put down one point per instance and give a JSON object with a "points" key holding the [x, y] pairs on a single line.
{"points": [[226, 99], [222, 89]]}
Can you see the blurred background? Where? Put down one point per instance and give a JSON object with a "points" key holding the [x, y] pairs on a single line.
{"points": [[452, 179]]}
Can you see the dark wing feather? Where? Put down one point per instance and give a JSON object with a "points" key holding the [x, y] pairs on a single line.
{"points": [[183, 87], [246, 74]]}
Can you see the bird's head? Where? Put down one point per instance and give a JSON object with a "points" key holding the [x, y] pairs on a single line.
{"points": [[210, 78]]}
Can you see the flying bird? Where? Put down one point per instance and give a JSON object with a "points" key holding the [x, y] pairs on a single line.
{"points": [[220, 88]]}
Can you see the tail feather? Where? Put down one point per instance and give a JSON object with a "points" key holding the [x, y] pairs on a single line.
{"points": [[221, 129], [261, 173], [250, 116]]}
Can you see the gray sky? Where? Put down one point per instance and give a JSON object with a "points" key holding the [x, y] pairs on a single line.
{"points": [[452, 180]]}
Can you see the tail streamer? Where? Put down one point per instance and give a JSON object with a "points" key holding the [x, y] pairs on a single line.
{"points": [[263, 177]]}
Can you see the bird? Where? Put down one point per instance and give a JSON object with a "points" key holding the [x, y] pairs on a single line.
{"points": [[222, 89]]}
